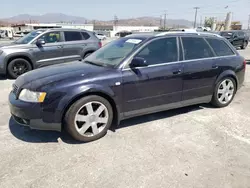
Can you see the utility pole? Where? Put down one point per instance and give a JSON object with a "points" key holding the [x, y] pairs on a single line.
{"points": [[195, 18], [160, 21], [201, 22], [165, 18], [115, 22], [248, 22]]}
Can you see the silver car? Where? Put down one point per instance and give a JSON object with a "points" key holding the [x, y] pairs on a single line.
{"points": [[41, 48]]}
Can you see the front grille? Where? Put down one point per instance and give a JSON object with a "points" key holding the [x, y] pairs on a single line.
{"points": [[14, 89]]}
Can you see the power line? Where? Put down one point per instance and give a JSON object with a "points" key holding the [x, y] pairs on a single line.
{"points": [[195, 18]]}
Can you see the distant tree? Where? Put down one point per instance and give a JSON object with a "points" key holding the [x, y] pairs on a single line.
{"points": [[209, 22]]}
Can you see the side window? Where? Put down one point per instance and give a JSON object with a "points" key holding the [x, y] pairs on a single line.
{"points": [[196, 48], [72, 36], [160, 51], [85, 35], [51, 37], [220, 47]]}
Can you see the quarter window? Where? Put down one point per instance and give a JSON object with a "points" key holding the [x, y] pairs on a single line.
{"points": [[196, 48], [160, 51], [51, 37], [72, 36], [220, 47]]}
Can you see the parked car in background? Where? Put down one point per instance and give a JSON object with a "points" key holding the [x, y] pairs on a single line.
{"points": [[237, 38], [101, 36], [131, 76], [46, 47], [2, 34], [123, 33]]}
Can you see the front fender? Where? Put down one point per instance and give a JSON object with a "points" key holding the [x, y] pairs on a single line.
{"points": [[19, 54], [76, 93]]}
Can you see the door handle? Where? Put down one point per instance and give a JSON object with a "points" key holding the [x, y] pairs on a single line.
{"points": [[215, 67], [59, 46], [177, 71]]}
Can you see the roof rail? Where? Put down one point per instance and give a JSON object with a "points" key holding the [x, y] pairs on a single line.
{"points": [[189, 32]]}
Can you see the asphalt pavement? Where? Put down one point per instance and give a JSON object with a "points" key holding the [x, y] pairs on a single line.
{"points": [[198, 147]]}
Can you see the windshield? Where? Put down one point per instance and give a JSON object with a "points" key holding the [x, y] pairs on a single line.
{"points": [[114, 52], [27, 38]]}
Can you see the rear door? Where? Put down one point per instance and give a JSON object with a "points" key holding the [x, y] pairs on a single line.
{"points": [[51, 52], [74, 45], [200, 70]]}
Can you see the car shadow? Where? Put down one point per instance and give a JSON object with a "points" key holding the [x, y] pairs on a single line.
{"points": [[38, 136]]}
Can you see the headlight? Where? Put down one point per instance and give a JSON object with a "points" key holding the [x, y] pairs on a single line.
{"points": [[31, 96]]}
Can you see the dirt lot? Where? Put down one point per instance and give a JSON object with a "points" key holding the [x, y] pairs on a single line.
{"points": [[198, 146]]}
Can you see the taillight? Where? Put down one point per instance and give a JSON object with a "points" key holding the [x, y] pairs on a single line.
{"points": [[245, 64], [100, 44]]}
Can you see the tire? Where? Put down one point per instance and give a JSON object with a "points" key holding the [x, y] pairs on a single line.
{"points": [[244, 45], [23, 64], [219, 91], [84, 126]]}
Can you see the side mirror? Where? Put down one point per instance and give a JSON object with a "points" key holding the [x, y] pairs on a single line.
{"points": [[40, 42], [235, 36], [138, 62]]}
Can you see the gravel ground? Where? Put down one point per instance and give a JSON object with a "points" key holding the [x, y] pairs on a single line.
{"points": [[198, 146]]}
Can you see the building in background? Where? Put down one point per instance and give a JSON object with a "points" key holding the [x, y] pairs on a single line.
{"points": [[32, 26]]}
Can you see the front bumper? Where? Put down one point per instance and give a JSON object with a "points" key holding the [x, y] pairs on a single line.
{"points": [[30, 114]]}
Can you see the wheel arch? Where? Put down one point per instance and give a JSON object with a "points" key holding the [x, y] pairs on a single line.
{"points": [[17, 56], [228, 73], [116, 116]]}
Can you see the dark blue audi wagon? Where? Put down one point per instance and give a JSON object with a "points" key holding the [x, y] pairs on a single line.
{"points": [[131, 76]]}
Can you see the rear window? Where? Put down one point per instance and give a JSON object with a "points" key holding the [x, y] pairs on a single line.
{"points": [[220, 47], [85, 35], [72, 36]]}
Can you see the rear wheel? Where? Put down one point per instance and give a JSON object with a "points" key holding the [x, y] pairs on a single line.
{"points": [[244, 45], [224, 92], [18, 67], [89, 118]]}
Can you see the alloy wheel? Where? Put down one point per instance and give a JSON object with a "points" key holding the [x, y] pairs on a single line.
{"points": [[225, 91], [19, 68], [91, 119]]}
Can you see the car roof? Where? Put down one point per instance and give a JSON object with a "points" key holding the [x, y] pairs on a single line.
{"points": [[62, 29]]}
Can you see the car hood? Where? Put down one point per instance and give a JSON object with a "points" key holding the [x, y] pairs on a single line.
{"points": [[38, 78], [12, 45]]}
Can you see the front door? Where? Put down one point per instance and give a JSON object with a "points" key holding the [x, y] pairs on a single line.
{"points": [[155, 87], [51, 52], [201, 69]]}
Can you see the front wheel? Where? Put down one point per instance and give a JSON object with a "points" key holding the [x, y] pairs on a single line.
{"points": [[224, 92], [89, 118], [18, 67]]}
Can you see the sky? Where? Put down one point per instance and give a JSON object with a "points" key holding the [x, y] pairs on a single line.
{"points": [[106, 9]]}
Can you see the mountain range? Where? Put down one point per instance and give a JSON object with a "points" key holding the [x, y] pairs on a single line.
{"points": [[59, 17]]}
